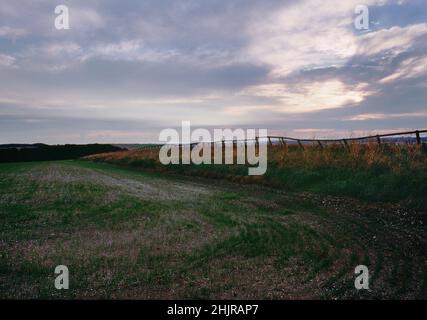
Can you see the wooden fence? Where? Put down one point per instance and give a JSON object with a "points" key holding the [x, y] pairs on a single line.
{"points": [[281, 140]]}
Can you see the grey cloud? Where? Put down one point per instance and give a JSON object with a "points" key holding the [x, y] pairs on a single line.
{"points": [[105, 78], [185, 49]]}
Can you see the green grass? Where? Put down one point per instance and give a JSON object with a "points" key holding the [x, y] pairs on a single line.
{"points": [[372, 184], [119, 243], [395, 173]]}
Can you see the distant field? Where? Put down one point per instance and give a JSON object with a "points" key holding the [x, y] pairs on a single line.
{"points": [[130, 233]]}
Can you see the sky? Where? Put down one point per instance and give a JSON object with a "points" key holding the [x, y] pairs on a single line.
{"points": [[125, 70]]}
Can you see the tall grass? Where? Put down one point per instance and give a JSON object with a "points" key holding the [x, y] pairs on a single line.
{"points": [[385, 172]]}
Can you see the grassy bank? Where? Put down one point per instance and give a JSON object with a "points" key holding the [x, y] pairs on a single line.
{"points": [[391, 173]]}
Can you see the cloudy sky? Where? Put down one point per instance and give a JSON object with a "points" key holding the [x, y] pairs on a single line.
{"points": [[127, 69]]}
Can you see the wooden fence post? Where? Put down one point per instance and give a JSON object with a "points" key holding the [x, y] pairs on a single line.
{"points": [[346, 144], [417, 133], [320, 144], [378, 139], [283, 142]]}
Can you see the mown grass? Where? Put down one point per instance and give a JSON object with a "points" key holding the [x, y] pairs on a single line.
{"points": [[119, 245], [36, 205]]}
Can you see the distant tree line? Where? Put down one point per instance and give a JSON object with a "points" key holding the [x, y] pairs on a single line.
{"points": [[41, 152]]}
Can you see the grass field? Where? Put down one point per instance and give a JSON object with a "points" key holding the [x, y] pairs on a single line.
{"points": [[389, 173], [129, 233]]}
